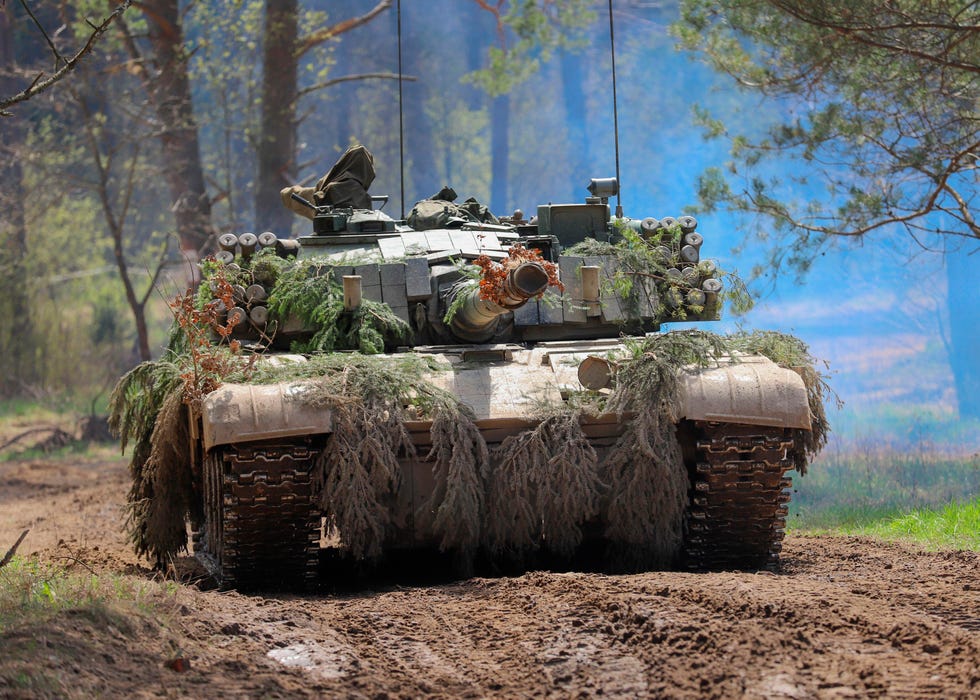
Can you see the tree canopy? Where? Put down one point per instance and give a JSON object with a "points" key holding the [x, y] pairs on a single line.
{"points": [[879, 100]]}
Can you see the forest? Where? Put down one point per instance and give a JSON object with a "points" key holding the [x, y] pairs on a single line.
{"points": [[851, 213], [619, 495]]}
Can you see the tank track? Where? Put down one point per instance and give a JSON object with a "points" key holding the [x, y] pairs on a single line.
{"points": [[737, 517], [262, 520]]}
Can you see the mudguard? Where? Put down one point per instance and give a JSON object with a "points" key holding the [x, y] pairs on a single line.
{"points": [[251, 412], [751, 390]]}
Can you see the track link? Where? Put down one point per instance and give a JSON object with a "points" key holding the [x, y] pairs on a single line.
{"points": [[737, 516], [262, 520]]}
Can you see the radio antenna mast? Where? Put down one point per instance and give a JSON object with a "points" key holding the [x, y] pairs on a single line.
{"points": [[401, 123], [612, 53]]}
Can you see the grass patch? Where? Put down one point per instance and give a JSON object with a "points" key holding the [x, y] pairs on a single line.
{"points": [[921, 486], [33, 592], [864, 480], [31, 430], [954, 526], [65, 634], [78, 450]]}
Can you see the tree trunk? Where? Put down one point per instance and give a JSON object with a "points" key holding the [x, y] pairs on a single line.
{"points": [[16, 337], [277, 138], [500, 154], [964, 328], [169, 89]]}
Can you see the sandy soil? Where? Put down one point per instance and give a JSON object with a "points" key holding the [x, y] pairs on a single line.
{"points": [[846, 618]]}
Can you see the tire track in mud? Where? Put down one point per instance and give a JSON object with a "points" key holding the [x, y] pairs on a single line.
{"points": [[654, 635], [846, 617]]}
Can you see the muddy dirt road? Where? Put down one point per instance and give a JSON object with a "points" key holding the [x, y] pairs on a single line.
{"points": [[845, 618]]}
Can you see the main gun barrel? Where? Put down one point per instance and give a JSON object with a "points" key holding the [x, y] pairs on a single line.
{"points": [[475, 317]]}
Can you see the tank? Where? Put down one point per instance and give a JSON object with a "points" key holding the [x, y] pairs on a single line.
{"points": [[511, 328]]}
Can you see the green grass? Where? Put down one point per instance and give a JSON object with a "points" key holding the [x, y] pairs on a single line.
{"points": [[58, 627], [33, 591], [896, 472], [954, 526]]}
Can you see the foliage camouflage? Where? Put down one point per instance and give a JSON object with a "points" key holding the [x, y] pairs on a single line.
{"points": [[537, 489], [639, 260]]}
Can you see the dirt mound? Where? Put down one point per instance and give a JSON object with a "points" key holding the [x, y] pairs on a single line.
{"points": [[845, 618]]}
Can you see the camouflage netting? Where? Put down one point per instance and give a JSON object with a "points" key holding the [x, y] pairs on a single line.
{"points": [[147, 408], [536, 490], [543, 485]]}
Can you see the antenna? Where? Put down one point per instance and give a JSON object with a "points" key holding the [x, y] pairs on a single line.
{"points": [[401, 123], [612, 53]]}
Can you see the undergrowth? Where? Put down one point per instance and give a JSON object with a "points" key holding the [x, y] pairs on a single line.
{"points": [[32, 591], [952, 526], [53, 619]]}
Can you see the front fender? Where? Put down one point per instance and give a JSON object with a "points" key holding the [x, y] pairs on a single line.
{"points": [[236, 413], [748, 389]]}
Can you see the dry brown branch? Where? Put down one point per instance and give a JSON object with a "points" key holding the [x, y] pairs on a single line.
{"points": [[461, 459], [73, 558], [351, 78], [322, 35], [10, 552], [57, 434]]}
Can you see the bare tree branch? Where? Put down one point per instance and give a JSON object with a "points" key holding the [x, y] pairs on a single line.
{"points": [[58, 58], [318, 37], [10, 552], [39, 85], [349, 78]]}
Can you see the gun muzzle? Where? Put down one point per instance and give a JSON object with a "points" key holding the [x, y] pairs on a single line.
{"points": [[476, 318]]}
